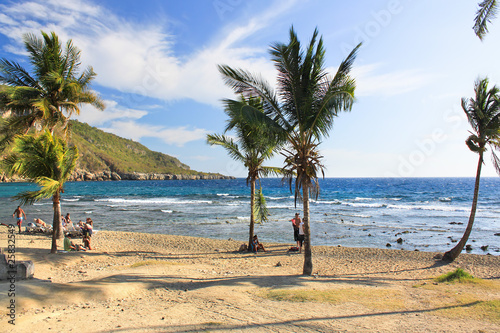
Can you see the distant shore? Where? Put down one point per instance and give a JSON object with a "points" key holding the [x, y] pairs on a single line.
{"points": [[164, 283], [115, 176]]}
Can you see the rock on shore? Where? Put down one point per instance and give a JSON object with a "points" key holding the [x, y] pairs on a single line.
{"points": [[83, 175]]}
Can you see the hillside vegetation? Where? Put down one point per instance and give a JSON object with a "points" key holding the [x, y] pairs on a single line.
{"points": [[106, 152], [101, 151]]}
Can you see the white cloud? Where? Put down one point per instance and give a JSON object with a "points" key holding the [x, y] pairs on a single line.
{"points": [[138, 58], [173, 136], [369, 83], [94, 117]]}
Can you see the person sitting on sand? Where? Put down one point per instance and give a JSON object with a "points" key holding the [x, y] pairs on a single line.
{"points": [[256, 245], [70, 246]]}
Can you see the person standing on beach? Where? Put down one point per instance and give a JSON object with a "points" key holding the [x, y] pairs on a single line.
{"points": [[295, 223], [18, 214], [301, 235]]}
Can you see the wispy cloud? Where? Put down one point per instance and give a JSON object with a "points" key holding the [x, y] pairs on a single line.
{"points": [[94, 117], [370, 83], [178, 136]]}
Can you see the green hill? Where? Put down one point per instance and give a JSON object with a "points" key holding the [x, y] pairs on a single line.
{"points": [[101, 151], [108, 156]]}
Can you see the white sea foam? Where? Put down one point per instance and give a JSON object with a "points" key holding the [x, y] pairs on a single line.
{"points": [[149, 201], [71, 200], [167, 211]]}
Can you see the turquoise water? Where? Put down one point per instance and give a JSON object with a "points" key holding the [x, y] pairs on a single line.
{"points": [[428, 213]]}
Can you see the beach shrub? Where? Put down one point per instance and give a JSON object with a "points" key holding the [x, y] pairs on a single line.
{"points": [[458, 275]]}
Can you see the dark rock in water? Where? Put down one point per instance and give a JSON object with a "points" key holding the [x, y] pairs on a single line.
{"points": [[417, 250], [468, 248], [484, 247], [369, 235], [457, 223], [497, 234], [388, 245], [400, 240]]}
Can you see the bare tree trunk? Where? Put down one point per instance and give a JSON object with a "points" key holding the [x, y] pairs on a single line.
{"points": [[308, 266], [252, 216], [57, 232], [454, 253]]}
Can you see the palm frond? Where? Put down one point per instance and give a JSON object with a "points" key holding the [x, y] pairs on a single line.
{"points": [[485, 14], [260, 210], [228, 144]]}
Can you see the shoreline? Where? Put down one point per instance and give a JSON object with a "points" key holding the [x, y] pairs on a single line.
{"points": [[166, 283]]}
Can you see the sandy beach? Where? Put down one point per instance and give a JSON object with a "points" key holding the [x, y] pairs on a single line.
{"points": [[135, 282]]}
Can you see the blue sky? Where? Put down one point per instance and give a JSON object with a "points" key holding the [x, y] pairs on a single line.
{"points": [[156, 64]]}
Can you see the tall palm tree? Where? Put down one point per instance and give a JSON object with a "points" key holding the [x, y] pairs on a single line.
{"points": [[304, 107], [51, 94], [483, 114], [253, 147], [487, 11], [47, 161]]}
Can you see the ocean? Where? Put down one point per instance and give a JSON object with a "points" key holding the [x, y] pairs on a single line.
{"points": [[429, 214]]}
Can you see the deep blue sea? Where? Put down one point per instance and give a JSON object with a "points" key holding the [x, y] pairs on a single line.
{"points": [[429, 214]]}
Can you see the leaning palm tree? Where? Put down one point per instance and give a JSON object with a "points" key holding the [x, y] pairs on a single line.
{"points": [[47, 161], [48, 96], [483, 114], [487, 11], [253, 147], [304, 107]]}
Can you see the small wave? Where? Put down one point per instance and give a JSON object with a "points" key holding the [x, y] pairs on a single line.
{"points": [[167, 211], [445, 199], [71, 200], [363, 199], [153, 201], [365, 205], [429, 207], [334, 202], [222, 194], [89, 212], [277, 198], [242, 218]]}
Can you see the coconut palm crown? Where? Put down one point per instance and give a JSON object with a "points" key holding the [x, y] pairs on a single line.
{"points": [[252, 147], [51, 93], [47, 161], [483, 113], [304, 106]]}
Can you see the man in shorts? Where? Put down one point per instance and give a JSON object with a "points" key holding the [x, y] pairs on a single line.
{"points": [[18, 214]]}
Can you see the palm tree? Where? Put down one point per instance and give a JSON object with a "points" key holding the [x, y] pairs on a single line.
{"points": [[483, 114], [487, 11], [253, 146], [47, 161], [304, 107], [51, 94]]}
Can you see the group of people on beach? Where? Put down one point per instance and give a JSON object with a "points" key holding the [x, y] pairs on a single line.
{"points": [[298, 236], [84, 229]]}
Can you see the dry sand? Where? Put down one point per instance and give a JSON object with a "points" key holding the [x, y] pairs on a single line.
{"points": [[136, 282]]}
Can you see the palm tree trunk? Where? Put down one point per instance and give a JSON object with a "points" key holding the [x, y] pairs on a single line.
{"points": [[252, 215], [453, 253], [57, 231], [307, 270]]}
